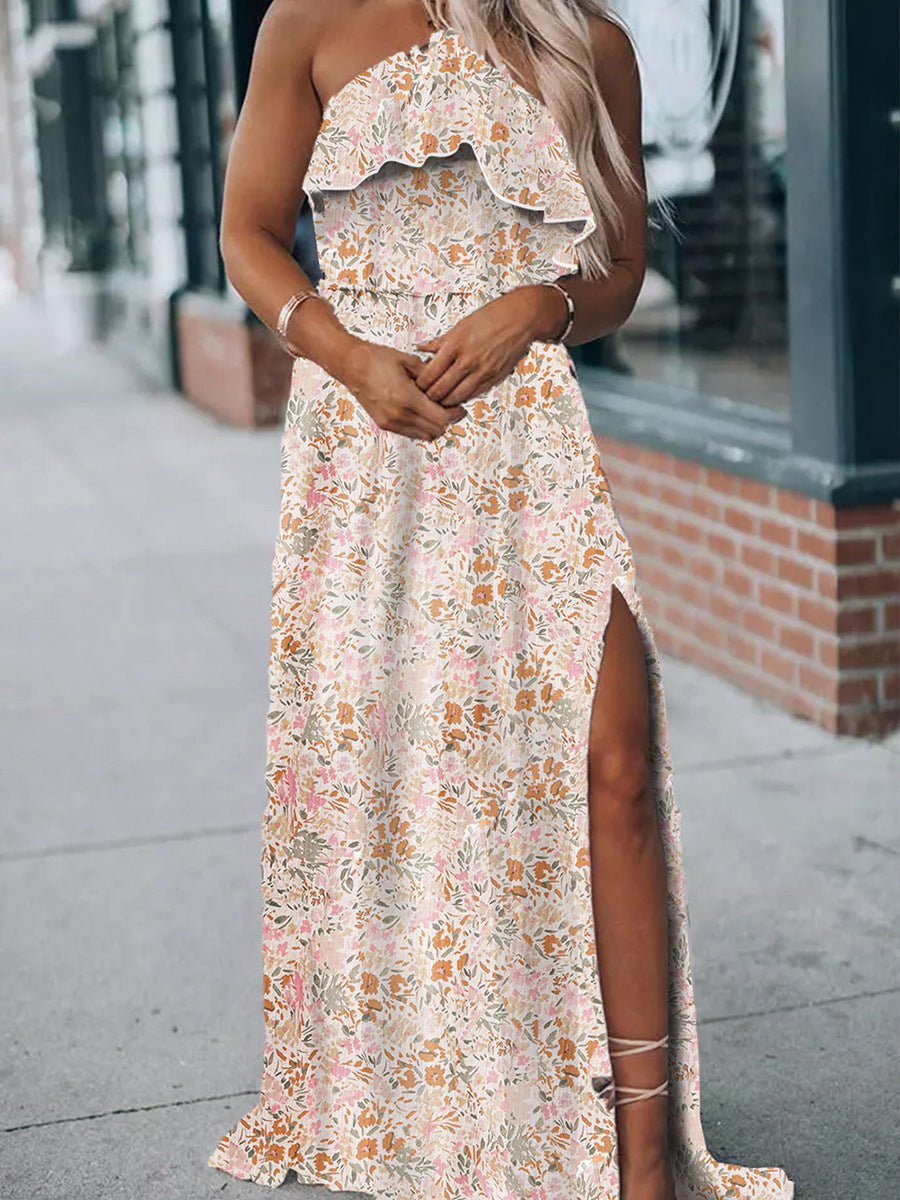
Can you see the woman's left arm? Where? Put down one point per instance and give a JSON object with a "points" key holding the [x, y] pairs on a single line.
{"points": [[483, 348]]}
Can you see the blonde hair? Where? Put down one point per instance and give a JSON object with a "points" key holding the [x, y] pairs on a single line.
{"points": [[555, 38]]}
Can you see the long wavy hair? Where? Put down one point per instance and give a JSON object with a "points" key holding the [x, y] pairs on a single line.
{"points": [[555, 41]]}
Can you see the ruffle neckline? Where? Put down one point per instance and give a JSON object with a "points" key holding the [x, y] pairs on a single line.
{"points": [[427, 101]]}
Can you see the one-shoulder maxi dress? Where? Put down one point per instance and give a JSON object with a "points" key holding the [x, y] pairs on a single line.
{"points": [[434, 1026]]}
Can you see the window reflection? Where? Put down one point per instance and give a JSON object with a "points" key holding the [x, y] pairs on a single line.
{"points": [[712, 314]]}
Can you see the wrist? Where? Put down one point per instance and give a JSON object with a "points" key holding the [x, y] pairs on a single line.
{"points": [[330, 344], [347, 358], [549, 312]]}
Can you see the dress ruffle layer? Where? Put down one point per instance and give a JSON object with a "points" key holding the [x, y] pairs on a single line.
{"points": [[406, 111]]}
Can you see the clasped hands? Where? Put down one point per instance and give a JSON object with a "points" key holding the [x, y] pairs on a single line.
{"points": [[422, 398]]}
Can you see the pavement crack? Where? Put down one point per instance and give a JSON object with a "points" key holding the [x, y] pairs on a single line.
{"points": [[782, 1008], [154, 839], [863, 843], [120, 1112], [755, 760]]}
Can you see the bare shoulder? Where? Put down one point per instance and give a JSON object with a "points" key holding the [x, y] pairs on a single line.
{"points": [[291, 29], [614, 51]]}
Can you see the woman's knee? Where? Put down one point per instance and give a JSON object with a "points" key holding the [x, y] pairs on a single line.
{"points": [[620, 786]]}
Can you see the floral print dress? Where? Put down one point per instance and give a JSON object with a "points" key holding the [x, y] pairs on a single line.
{"points": [[434, 1023]]}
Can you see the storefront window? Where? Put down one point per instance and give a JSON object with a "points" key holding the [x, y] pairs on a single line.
{"points": [[712, 314]]}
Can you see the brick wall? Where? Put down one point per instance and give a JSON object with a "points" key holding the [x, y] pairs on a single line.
{"points": [[790, 598], [229, 366]]}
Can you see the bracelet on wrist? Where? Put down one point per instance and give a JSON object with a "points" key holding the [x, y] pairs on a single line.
{"points": [[289, 308], [570, 314]]}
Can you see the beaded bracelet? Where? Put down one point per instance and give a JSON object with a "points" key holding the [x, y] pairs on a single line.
{"points": [[570, 306]]}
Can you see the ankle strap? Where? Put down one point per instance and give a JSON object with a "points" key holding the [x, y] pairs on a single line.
{"points": [[638, 1093], [639, 1045]]}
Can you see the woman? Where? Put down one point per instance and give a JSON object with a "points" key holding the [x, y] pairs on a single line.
{"points": [[476, 970]]}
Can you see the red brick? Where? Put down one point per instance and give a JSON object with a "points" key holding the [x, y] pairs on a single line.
{"points": [[800, 641], [859, 518], [827, 717], [857, 620], [739, 519], [654, 461], [741, 647], [804, 705], [724, 546], [776, 532], [861, 689], [656, 576], [668, 610], [704, 568], [708, 632], [827, 652], [890, 687], [721, 481], [755, 492], [689, 531], [824, 514], [758, 558], [869, 723], [627, 451], [891, 617], [782, 666], [827, 584], [816, 546], [723, 606], [704, 506], [646, 546], [817, 613], [682, 469], [658, 519], [737, 581], [856, 552], [772, 595], [820, 683], [866, 584], [890, 546], [672, 554], [794, 505], [673, 583], [674, 497], [757, 622], [793, 572], [884, 653]]}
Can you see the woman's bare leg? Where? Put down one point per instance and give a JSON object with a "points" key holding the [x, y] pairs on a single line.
{"points": [[629, 895]]}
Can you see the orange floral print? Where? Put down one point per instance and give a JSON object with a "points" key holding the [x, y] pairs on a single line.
{"points": [[434, 1023]]}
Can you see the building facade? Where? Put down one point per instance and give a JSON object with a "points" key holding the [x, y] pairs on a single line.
{"points": [[748, 412]]}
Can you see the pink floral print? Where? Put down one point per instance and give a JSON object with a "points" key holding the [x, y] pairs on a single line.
{"points": [[433, 1016]]}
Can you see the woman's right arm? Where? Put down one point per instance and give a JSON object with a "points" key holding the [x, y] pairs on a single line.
{"points": [[267, 163]]}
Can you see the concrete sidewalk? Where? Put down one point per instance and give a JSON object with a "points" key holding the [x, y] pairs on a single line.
{"points": [[137, 537]]}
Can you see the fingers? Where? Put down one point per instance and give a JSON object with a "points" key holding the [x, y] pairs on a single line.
{"points": [[412, 362], [433, 370], [467, 389], [424, 417], [456, 373]]}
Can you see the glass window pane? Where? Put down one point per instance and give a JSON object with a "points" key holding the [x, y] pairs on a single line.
{"points": [[712, 314]]}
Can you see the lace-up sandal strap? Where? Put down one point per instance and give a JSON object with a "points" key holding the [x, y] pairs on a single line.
{"points": [[637, 1093], [638, 1045]]}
